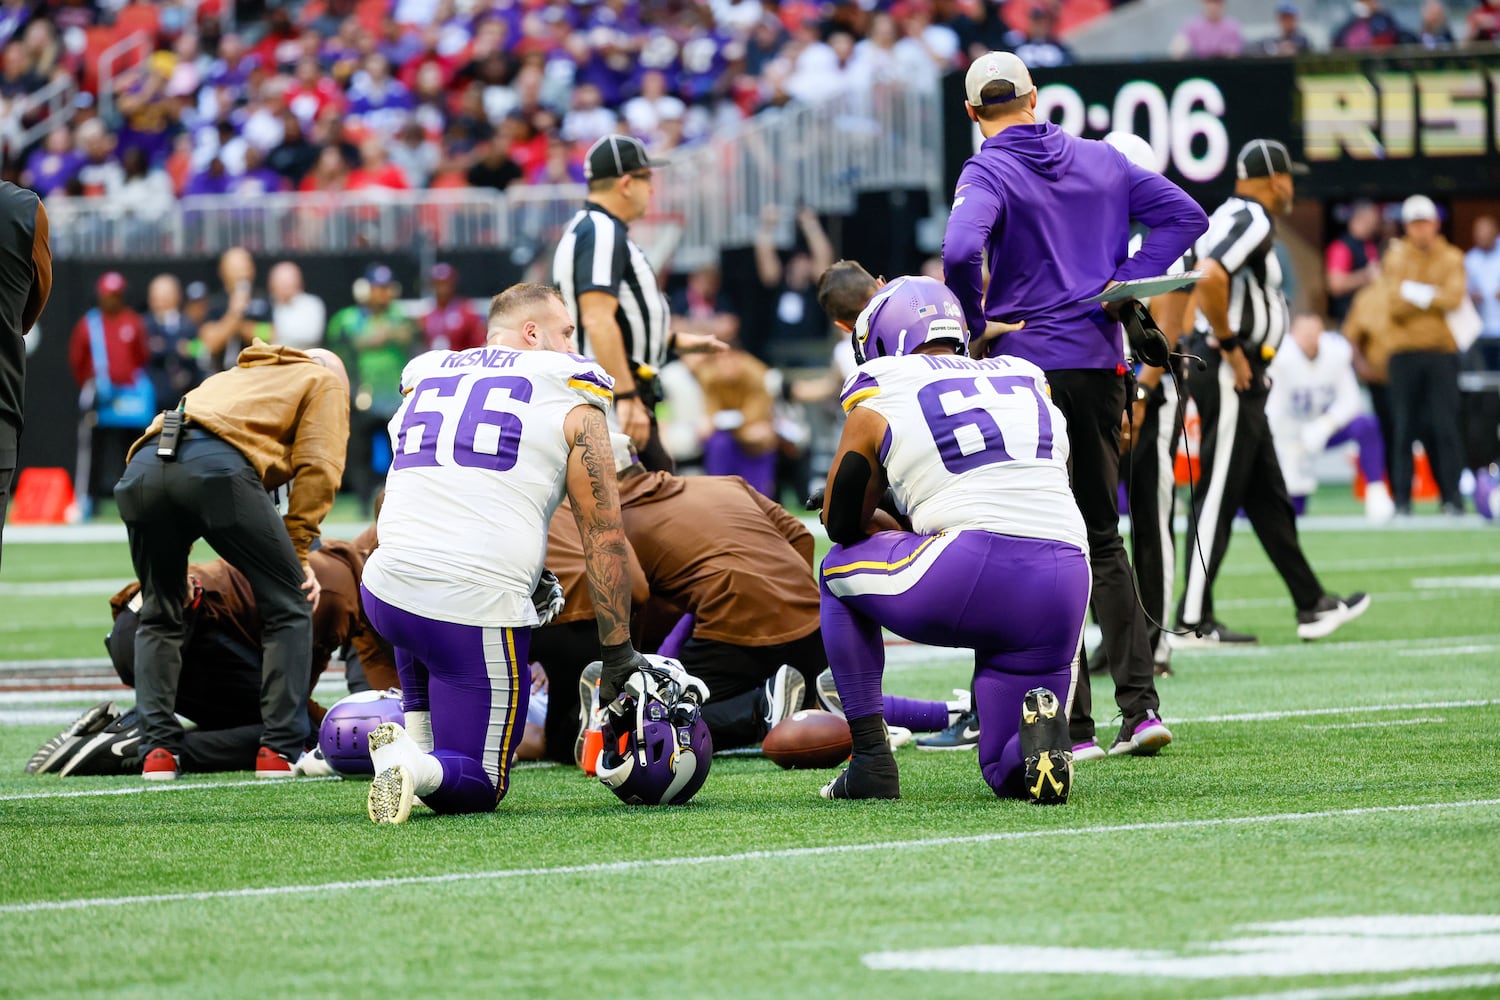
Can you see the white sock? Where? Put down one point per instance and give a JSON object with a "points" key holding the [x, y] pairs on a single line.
{"points": [[425, 769], [419, 727]]}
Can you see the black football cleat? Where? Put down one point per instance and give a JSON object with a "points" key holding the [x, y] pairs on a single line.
{"points": [[868, 776], [1046, 748], [962, 734], [112, 751]]}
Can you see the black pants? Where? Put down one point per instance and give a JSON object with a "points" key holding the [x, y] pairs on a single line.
{"points": [[1093, 401], [103, 459], [1424, 406], [212, 492], [359, 468], [218, 691], [563, 651], [1380, 400], [736, 678], [7, 476], [1237, 469]]}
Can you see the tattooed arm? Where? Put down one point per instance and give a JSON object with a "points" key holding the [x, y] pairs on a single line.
{"points": [[595, 498]]}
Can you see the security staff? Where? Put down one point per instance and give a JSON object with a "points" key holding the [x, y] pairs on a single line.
{"points": [[277, 414], [25, 283], [1242, 317]]}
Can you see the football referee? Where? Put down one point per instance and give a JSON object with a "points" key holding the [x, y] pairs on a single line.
{"points": [[1241, 302], [613, 293]]}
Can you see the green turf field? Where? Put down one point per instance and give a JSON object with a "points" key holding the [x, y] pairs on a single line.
{"points": [[1310, 785]]}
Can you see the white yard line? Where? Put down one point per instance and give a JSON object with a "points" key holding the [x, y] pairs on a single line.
{"points": [[1404, 988], [612, 867], [161, 786], [1461, 582], [1381, 725], [1478, 557], [1242, 603], [65, 588], [1304, 713]]}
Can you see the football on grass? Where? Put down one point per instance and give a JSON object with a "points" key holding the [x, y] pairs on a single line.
{"points": [[808, 738]]}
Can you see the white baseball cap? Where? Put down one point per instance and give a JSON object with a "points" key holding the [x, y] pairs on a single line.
{"points": [[1004, 67], [1418, 207]]}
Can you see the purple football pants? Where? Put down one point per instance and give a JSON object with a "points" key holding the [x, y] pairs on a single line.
{"points": [[1018, 603], [724, 456], [475, 682]]}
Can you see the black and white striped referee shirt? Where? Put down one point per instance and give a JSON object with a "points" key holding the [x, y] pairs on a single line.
{"points": [[596, 255], [1242, 238]]}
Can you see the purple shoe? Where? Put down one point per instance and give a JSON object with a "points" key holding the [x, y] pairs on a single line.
{"points": [[1088, 751], [1144, 740]]}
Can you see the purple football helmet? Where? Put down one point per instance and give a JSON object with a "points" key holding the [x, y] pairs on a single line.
{"points": [[906, 314], [667, 749], [342, 735]]}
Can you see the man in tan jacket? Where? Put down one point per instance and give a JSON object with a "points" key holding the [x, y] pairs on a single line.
{"points": [[278, 414], [1424, 278]]}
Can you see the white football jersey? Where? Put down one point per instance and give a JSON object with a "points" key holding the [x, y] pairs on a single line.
{"points": [[971, 444], [1304, 390], [480, 461]]}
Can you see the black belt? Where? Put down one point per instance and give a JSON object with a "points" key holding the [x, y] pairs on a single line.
{"points": [[189, 432]]}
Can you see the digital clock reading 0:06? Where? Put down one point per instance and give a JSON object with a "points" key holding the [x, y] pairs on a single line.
{"points": [[1186, 131]]}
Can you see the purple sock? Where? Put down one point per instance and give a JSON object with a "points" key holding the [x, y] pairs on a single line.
{"points": [[1364, 430], [681, 633], [916, 714]]}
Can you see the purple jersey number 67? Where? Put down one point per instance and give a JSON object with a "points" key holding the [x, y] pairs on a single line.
{"points": [[946, 426], [470, 447]]}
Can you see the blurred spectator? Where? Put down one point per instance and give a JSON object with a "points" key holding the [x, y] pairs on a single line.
{"points": [[984, 31], [1435, 32], [329, 173], [588, 119], [99, 172], [496, 169], [1353, 260], [171, 340], [13, 15], [645, 112], [236, 315], [52, 164], [297, 316], [1484, 22], [312, 92], [451, 324], [213, 179], [798, 321], [375, 339], [375, 168], [702, 307], [1289, 40], [1210, 35], [1425, 281], [150, 118], [1365, 329], [257, 178], [1482, 267], [559, 167], [377, 100], [109, 357], [195, 303], [1039, 45], [1369, 27], [415, 155], [16, 76], [294, 156], [145, 191]]}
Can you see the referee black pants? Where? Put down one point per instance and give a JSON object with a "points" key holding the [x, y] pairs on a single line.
{"points": [[212, 492], [1093, 400], [1238, 470], [1148, 469]]}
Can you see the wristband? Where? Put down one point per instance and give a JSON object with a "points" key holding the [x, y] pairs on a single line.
{"points": [[1142, 393], [628, 394], [1231, 344]]}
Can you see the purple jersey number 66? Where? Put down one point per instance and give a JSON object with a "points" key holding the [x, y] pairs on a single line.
{"points": [[945, 426], [476, 414]]}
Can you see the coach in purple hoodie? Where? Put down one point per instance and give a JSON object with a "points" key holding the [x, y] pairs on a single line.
{"points": [[1051, 215]]}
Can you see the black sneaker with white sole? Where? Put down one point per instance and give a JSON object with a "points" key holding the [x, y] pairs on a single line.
{"points": [[963, 734], [113, 750], [1045, 748], [55, 752], [1329, 614], [589, 716], [828, 694], [784, 693]]}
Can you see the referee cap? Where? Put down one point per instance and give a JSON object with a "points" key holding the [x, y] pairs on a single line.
{"points": [[616, 156], [1264, 157], [997, 67]]}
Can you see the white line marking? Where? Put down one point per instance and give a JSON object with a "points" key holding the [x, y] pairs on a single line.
{"points": [[80, 663], [1380, 725], [1469, 650], [1461, 582], [64, 588], [1478, 557], [1302, 713], [1244, 603], [1323, 648], [718, 859], [1404, 988], [162, 786]]}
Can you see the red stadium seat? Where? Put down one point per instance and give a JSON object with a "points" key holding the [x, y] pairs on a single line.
{"points": [[138, 17]]}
